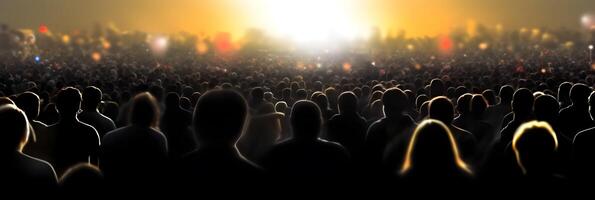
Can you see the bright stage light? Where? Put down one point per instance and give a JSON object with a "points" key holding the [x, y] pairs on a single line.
{"points": [[314, 20], [588, 21], [37, 59], [591, 47], [158, 45]]}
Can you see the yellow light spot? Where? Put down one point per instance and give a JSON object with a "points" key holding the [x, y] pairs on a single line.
{"points": [[66, 39], [96, 56], [347, 67], [483, 46]]}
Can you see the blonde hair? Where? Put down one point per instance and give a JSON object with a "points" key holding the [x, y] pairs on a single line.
{"points": [[458, 161], [524, 128]]}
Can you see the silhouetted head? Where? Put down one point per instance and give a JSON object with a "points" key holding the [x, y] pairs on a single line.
{"points": [[432, 149], [464, 104], [592, 105], [522, 102], [301, 94], [172, 100], [376, 109], [68, 102], [490, 97], [437, 88], [280, 106], [28, 102], [441, 108], [420, 100], [546, 107], [91, 98], [579, 94], [219, 117], [15, 128], [321, 100], [395, 102], [506, 92], [5, 101], [347, 103], [257, 93], [144, 111], [564, 93], [478, 105], [534, 145], [157, 92], [306, 120], [82, 178]]}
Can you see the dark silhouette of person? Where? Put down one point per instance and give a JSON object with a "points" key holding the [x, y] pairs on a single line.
{"points": [[535, 145], [21, 172], [305, 156], [496, 112], [82, 179], [175, 125], [433, 159], [522, 110], [135, 154], [71, 141], [576, 117], [323, 103], [111, 110], [546, 110], [583, 146], [90, 113], [394, 124], [263, 132], [348, 128], [442, 109], [437, 88], [257, 97], [218, 121], [376, 112], [6, 100], [564, 94], [29, 103]]}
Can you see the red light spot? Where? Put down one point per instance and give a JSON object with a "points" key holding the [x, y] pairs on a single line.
{"points": [[43, 28], [223, 43], [445, 44]]}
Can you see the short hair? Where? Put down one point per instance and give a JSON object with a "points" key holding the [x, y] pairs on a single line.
{"points": [[220, 116], [91, 97], [15, 128], [29, 103], [528, 132], [68, 100], [144, 111]]}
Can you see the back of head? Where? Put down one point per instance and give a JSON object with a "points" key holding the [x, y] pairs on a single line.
{"points": [[5, 101], [28, 102], [506, 92], [534, 144], [441, 108], [464, 103], [347, 103], [592, 105], [546, 107], [257, 93], [395, 102], [306, 120], [144, 111], [280, 106], [490, 96], [564, 92], [15, 129], [68, 101], [91, 98], [432, 150], [437, 88], [82, 178], [321, 100], [522, 102], [579, 94], [219, 117], [478, 105], [172, 100]]}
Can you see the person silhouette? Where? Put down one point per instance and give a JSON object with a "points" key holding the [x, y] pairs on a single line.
{"points": [[441, 109], [90, 113], [70, 141], [496, 112], [437, 88], [535, 145], [264, 130], [175, 125], [375, 113], [135, 154], [522, 111], [82, 179], [20, 171], [29, 103], [394, 124], [583, 146], [257, 97], [564, 94], [5, 101], [433, 158], [348, 128], [282, 107], [218, 121], [575, 117], [305, 156]]}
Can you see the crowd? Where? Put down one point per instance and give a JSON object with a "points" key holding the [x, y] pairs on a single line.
{"points": [[484, 120]]}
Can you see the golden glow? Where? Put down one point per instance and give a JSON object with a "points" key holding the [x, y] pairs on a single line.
{"points": [[96, 56], [522, 130], [410, 148]]}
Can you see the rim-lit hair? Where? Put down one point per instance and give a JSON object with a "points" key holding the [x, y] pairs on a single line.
{"points": [[407, 163], [145, 111], [525, 128], [12, 111]]}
